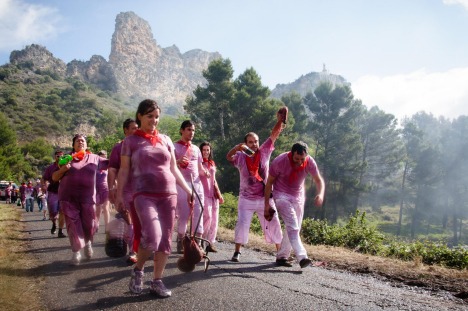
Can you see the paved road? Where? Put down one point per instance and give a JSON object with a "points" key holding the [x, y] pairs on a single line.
{"points": [[253, 284]]}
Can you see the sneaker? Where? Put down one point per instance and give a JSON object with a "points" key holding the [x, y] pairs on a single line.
{"points": [[180, 247], [236, 256], [60, 234], [43, 218], [306, 262], [88, 250], [136, 281], [158, 288], [54, 228], [283, 262], [76, 258], [211, 248]]}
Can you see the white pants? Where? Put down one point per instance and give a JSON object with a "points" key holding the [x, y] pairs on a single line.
{"points": [[291, 211], [183, 210], [245, 210], [210, 219]]}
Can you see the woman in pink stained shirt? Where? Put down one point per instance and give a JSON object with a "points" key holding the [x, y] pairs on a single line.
{"points": [[77, 196], [212, 197], [150, 160], [287, 175]]}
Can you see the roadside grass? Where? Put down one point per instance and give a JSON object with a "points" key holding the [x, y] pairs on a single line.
{"points": [[19, 290]]}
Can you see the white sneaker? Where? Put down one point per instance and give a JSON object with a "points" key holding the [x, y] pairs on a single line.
{"points": [[76, 258], [88, 250], [136, 281], [158, 288]]}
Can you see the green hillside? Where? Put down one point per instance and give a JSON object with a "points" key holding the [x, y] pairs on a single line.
{"points": [[43, 104]]}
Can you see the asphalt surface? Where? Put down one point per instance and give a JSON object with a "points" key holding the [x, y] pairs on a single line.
{"points": [[255, 283]]}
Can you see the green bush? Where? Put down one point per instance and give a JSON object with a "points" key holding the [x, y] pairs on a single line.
{"points": [[356, 234]]}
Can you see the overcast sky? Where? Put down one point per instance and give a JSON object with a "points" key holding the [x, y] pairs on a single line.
{"points": [[403, 56]]}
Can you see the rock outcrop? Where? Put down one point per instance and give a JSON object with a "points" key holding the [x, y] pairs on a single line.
{"points": [[145, 70], [308, 83], [37, 57]]}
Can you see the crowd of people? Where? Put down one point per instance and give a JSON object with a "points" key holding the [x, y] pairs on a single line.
{"points": [[151, 182]]}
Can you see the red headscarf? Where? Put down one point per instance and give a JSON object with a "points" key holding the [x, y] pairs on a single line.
{"points": [[253, 164], [153, 138], [296, 169]]}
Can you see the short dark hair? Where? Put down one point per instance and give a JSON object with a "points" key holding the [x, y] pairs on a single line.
{"points": [[300, 148], [187, 123], [146, 106], [248, 135], [127, 122]]}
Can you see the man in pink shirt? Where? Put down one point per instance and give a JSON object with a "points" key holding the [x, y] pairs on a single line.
{"points": [[129, 127], [253, 172], [287, 175], [189, 161]]}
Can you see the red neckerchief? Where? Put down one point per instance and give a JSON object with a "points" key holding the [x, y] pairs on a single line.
{"points": [[188, 145], [78, 156], [253, 164], [153, 138], [209, 163], [296, 169]]}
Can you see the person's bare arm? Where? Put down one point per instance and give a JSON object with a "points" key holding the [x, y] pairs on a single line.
{"points": [[233, 151], [320, 184], [112, 173], [57, 175], [275, 132], [122, 178]]}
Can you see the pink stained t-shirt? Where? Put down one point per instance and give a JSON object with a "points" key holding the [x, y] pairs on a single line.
{"points": [[114, 162], [208, 183], [250, 187], [195, 158], [281, 169], [150, 166], [78, 184], [53, 186], [114, 158]]}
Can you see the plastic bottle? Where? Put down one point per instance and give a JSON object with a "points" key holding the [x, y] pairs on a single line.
{"points": [[116, 237], [247, 151]]}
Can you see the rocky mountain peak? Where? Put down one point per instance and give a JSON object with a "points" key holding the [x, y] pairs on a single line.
{"points": [[143, 69], [37, 57]]}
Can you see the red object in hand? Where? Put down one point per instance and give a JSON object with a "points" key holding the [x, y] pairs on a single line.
{"points": [[283, 111]]}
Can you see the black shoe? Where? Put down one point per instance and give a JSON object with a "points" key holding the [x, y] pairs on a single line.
{"points": [[61, 235], [180, 247], [54, 229], [236, 257], [306, 262], [283, 262], [211, 248]]}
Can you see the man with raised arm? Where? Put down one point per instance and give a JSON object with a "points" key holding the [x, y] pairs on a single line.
{"points": [[253, 170]]}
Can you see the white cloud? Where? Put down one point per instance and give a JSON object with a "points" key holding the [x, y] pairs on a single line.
{"points": [[25, 23], [440, 93], [464, 3]]}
